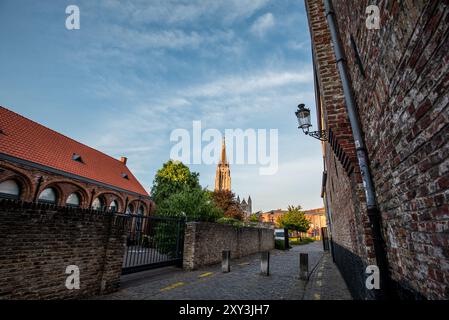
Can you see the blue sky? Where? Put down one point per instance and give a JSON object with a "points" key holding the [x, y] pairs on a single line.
{"points": [[137, 70]]}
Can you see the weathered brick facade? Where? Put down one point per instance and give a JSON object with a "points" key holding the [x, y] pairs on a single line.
{"points": [[39, 241], [33, 180], [205, 241], [400, 85]]}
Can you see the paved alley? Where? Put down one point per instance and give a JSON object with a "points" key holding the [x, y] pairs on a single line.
{"points": [[243, 282]]}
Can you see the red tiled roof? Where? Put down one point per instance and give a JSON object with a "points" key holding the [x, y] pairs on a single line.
{"points": [[28, 140]]}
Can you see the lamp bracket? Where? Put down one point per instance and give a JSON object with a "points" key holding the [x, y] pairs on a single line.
{"points": [[320, 135]]}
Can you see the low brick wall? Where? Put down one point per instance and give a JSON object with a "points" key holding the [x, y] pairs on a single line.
{"points": [[38, 242], [205, 241]]}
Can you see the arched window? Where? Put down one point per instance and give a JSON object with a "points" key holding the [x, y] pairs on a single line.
{"points": [[98, 204], [48, 196], [73, 200], [113, 207], [139, 220], [141, 211], [9, 189], [130, 209]]}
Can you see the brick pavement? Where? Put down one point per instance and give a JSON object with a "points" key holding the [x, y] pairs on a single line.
{"points": [[243, 282]]}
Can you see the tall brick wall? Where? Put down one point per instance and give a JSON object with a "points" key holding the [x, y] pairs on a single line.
{"points": [[205, 241], [350, 230], [402, 93], [38, 242], [403, 105]]}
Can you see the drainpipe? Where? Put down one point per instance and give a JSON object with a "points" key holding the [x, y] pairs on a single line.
{"points": [[373, 210]]}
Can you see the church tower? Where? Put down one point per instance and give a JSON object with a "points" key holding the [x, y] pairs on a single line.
{"points": [[223, 174]]}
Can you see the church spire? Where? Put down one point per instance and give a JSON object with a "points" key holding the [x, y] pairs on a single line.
{"points": [[223, 174], [223, 151]]}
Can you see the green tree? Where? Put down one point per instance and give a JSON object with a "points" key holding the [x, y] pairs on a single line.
{"points": [[177, 192], [172, 178], [253, 218], [294, 219], [196, 204]]}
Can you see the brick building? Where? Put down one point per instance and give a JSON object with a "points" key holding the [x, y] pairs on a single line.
{"points": [[316, 217], [382, 98], [40, 165]]}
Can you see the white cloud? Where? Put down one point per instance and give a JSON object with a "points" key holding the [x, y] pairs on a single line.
{"points": [[171, 12], [235, 85], [263, 24], [133, 39]]}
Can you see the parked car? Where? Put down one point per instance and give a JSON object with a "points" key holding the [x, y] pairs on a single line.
{"points": [[279, 234]]}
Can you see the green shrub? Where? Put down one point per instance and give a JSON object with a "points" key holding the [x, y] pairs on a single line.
{"points": [[230, 221], [298, 242], [279, 244]]}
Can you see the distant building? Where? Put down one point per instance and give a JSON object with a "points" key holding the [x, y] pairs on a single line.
{"points": [[38, 164], [246, 206], [223, 173], [271, 216], [317, 218]]}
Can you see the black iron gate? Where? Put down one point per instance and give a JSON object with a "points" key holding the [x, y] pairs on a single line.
{"points": [[153, 242]]}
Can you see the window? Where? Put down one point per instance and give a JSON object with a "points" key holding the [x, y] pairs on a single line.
{"points": [[98, 204], [141, 211], [130, 209], [73, 200], [48, 195], [113, 206], [77, 157], [9, 189], [139, 220]]}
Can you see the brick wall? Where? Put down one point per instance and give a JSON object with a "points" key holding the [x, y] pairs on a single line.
{"points": [[205, 241], [343, 190], [38, 242], [401, 90], [403, 105]]}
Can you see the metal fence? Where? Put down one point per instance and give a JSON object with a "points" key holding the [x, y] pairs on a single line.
{"points": [[153, 242]]}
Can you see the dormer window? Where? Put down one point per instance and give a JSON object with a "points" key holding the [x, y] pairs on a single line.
{"points": [[125, 176], [77, 157]]}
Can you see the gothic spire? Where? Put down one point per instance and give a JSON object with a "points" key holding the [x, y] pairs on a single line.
{"points": [[223, 151]]}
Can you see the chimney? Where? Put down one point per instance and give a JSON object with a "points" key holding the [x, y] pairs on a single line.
{"points": [[123, 160]]}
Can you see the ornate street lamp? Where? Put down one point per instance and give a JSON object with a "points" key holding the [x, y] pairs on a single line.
{"points": [[303, 115]]}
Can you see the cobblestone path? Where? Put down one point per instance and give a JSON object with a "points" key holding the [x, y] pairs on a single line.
{"points": [[243, 282]]}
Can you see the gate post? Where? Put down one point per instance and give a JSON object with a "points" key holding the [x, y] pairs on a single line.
{"points": [[179, 239]]}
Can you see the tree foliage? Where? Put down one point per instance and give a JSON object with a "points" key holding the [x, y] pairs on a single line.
{"points": [[172, 178], [227, 202], [195, 204], [177, 192], [253, 218], [294, 219]]}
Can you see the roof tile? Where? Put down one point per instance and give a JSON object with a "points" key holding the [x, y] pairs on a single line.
{"points": [[25, 139]]}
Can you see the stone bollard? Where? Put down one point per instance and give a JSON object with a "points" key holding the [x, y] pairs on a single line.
{"points": [[226, 261], [303, 266], [265, 263]]}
